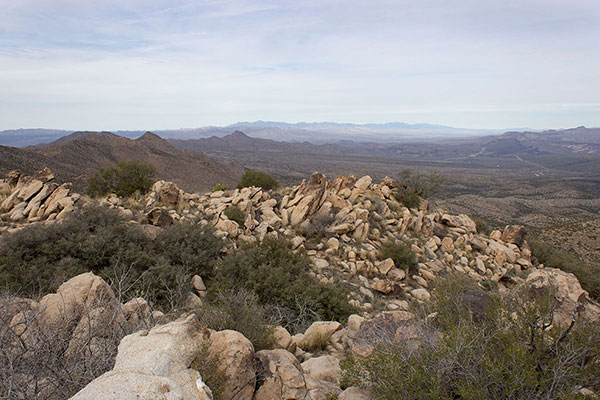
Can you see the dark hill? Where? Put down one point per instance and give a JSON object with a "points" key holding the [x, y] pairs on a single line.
{"points": [[77, 156]]}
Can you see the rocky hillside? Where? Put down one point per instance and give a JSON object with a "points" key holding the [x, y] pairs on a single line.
{"points": [[343, 224], [76, 157]]}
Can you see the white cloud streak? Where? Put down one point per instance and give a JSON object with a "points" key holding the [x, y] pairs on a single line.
{"points": [[165, 64]]}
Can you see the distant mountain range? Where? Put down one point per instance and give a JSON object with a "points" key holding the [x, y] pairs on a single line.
{"points": [[77, 156], [314, 132]]}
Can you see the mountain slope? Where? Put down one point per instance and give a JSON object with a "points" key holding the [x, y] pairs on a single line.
{"points": [[77, 156]]}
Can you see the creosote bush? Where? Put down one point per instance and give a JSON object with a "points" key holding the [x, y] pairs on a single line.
{"points": [[127, 178], [235, 214], [258, 179], [280, 278], [400, 252], [494, 348]]}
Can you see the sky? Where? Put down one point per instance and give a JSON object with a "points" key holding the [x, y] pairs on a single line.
{"points": [[154, 64]]}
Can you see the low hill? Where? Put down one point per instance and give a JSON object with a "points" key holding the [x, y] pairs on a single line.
{"points": [[75, 157]]}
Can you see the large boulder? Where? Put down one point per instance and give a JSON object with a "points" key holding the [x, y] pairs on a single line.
{"points": [[325, 368], [572, 300], [154, 364], [73, 299], [514, 234], [168, 193], [236, 356], [282, 376]]}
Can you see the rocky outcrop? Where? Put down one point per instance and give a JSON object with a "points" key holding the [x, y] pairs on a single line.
{"points": [[572, 300], [35, 198], [154, 364]]}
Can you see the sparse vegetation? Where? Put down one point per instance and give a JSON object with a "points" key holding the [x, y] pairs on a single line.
{"points": [[235, 214], [258, 179], [398, 251], [240, 311], [46, 366], [208, 365], [219, 187], [127, 178], [513, 352]]}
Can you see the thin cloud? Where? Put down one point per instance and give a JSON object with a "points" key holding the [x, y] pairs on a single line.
{"points": [[162, 64]]}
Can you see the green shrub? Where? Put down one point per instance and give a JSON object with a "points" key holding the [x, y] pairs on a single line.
{"points": [[219, 187], [127, 178], [235, 214], [401, 253], [421, 184], [408, 198], [515, 352], [567, 261], [239, 310], [210, 367], [279, 277], [37, 259], [258, 179]]}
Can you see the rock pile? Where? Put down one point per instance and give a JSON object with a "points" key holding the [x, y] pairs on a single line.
{"points": [[342, 224], [35, 198]]}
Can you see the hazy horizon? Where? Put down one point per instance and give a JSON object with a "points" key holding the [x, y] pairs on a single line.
{"points": [[152, 65]]}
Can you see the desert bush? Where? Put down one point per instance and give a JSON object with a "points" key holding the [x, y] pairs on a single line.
{"points": [[316, 343], [514, 352], [279, 277], [421, 184], [417, 185], [554, 257], [235, 214], [239, 310], [408, 198], [398, 251], [210, 368], [258, 179], [219, 187], [483, 226], [194, 247], [39, 258], [127, 178]]}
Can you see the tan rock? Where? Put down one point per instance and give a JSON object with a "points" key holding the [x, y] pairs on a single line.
{"points": [[325, 368], [154, 365], [236, 355], [319, 330], [168, 193], [283, 339], [386, 266], [160, 217], [354, 393], [566, 289], [333, 244], [282, 376], [514, 234], [363, 183], [447, 244]]}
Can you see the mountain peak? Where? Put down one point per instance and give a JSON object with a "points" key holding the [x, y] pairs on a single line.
{"points": [[238, 135], [150, 138]]}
